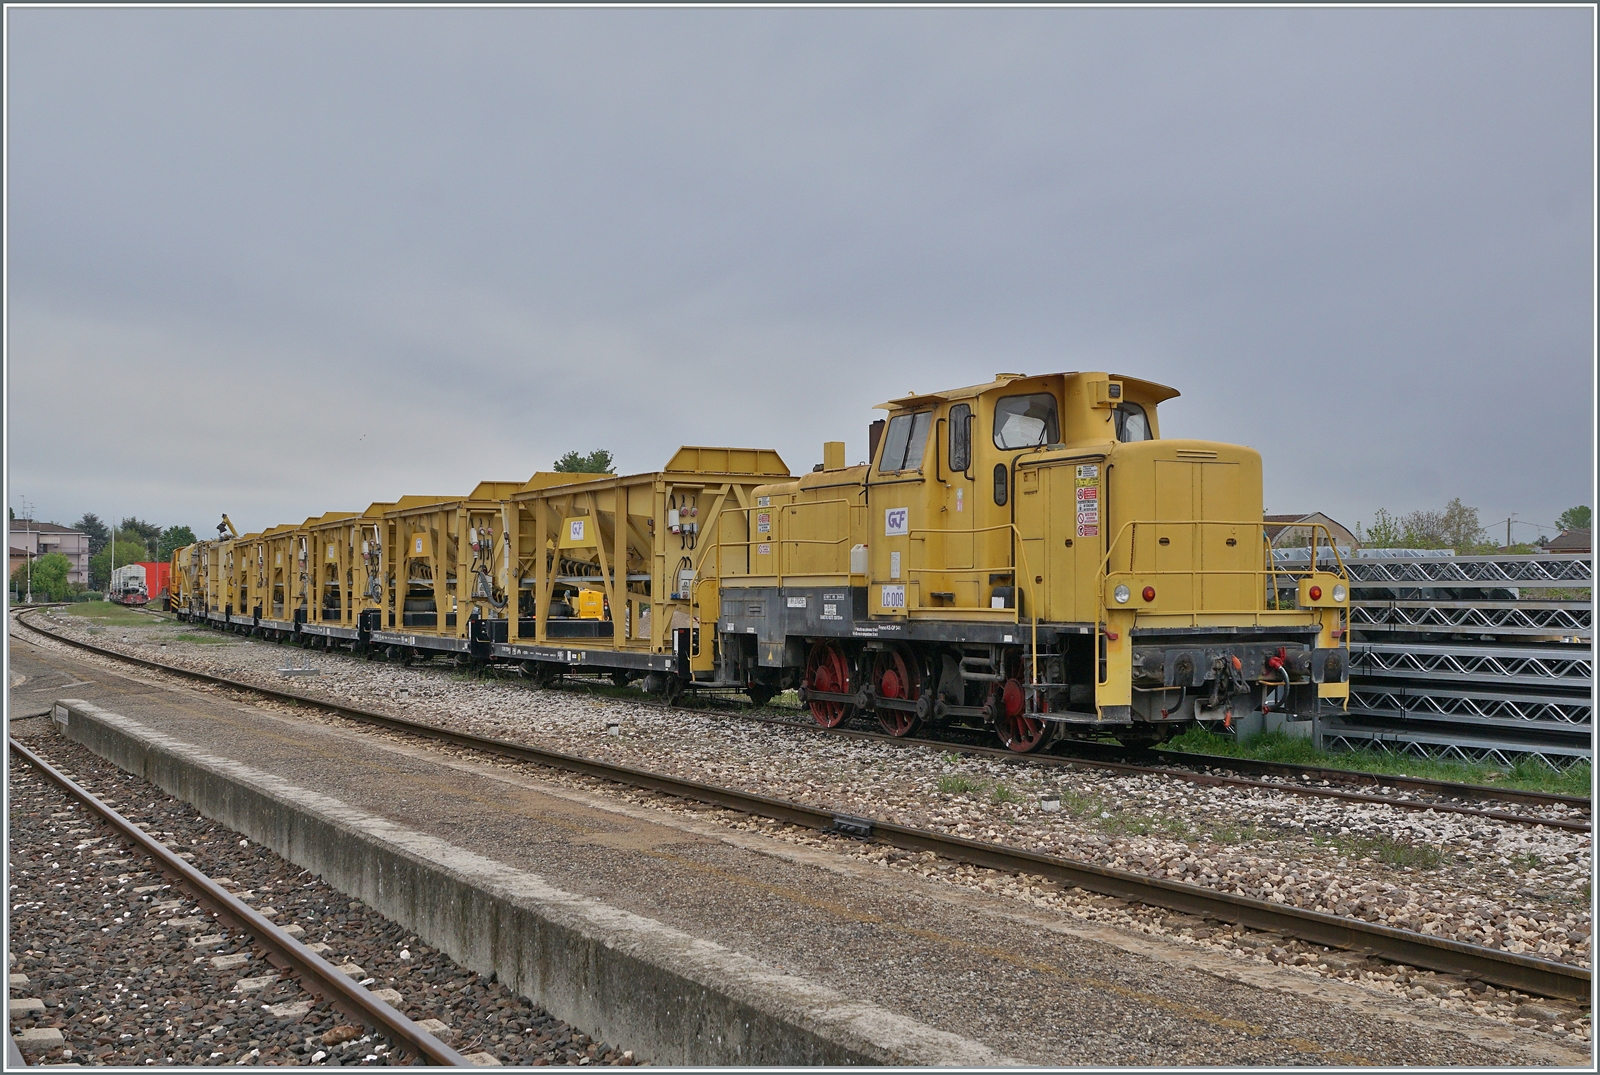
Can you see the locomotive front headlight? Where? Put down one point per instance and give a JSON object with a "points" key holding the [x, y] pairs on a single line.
{"points": [[1121, 594], [1338, 593]]}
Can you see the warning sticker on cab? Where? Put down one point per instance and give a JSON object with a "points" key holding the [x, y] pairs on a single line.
{"points": [[763, 522], [1088, 497], [763, 550]]}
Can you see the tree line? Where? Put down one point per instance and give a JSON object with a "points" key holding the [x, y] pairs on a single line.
{"points": [[1456, 527]]}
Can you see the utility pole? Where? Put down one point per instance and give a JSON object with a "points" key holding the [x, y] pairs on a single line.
{"points": [[1508, 529], [27, 509]]}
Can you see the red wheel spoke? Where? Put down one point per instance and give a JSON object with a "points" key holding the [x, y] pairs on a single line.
{"points": [[896, 674]]}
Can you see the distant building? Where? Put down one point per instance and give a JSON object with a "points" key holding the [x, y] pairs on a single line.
{"points": [[15, 558], [1570, 541], [34, 540], [1283, 534]]}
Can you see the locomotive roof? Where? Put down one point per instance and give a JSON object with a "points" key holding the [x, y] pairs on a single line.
{"points": [[1150, 389]]}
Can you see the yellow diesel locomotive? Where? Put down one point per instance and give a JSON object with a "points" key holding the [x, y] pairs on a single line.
{"points": [[1027, 555]]}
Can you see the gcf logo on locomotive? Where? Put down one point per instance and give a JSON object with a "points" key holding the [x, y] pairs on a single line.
{"points": [[896, 521]]}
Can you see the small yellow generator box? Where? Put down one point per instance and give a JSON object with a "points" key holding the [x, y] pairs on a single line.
{"points": [[591, 605]]}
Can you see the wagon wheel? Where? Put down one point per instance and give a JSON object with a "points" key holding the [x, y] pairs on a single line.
{"points": [[896, 674], [828, 670], [1017, 729]]}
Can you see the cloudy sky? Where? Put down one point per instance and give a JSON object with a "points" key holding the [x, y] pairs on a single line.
{"points": [[281, 262]]}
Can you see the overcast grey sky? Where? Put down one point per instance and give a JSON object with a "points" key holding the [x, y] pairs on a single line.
{"points": [[280, 262]]}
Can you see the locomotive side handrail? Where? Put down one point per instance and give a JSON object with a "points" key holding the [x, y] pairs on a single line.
{"points": [[772, 539], [1271, 569], [1033, 594]]}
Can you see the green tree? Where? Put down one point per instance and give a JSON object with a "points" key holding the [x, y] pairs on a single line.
{"points": [[173, 538], [1384, 533], [98, 534], [598, 461], [1461, 530], [127, 552], [1575, 518], [49, 578], [137, 529], [1456, 527]]}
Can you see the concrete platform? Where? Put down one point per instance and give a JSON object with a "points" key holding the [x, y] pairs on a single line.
{"points": [[692, 943]]}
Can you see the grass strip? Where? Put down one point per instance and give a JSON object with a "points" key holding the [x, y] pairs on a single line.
{"points": [[1529, 773]]}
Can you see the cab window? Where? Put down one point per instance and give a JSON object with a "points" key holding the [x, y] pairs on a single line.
{"points": [[905, 441], [960, 437], [1026, 421], [1132, 423]]}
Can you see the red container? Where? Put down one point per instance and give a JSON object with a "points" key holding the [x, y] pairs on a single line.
{"points": [[156, 579]]}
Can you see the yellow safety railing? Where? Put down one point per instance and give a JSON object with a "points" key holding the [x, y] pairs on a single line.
{"points": [[1267, 573], [772, 538], [1033, 594]]}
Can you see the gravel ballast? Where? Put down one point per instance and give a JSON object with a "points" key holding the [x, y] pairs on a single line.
{"points": [[130, 971], [1481, 881]]}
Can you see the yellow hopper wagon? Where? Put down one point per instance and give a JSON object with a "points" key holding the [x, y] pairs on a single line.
{"points": [[432, 553], [346, 590], [619, 575]]}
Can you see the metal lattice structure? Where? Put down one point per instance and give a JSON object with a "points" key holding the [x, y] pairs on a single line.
{"points": [[1475, 571], [1548, 619], [1529, 666], [1495, 678], [1451, 746], [1556, 712]]}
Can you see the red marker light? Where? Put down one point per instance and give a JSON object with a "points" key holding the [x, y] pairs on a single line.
{"points": [[1316, 593], [1149, 593]]}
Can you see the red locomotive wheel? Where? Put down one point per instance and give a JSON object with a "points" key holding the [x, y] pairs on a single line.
{"points": [[895, 675], [1017, 730], [828, 670]]}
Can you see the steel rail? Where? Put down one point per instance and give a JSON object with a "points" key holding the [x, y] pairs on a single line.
{"points": [[1207, 779], [1389, 780], [1268, 768], [1529, 974], [314, 972]]}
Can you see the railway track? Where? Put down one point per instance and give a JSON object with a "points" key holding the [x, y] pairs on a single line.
{"points": [[1528, 974], [1186, 767], [316, 974], [1195, 776]]}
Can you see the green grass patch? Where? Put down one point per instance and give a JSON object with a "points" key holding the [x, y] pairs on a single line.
{"points": [[1003, 794], [112, 614], [960, 785], [1389, 851], [1529, 774], [203, 640], [1224, 833]]}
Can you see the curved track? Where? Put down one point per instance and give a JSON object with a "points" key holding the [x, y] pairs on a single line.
{"points": [[1186, 767], [1439, 792], [1526, 973], [315, 973]]}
